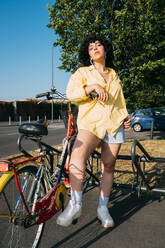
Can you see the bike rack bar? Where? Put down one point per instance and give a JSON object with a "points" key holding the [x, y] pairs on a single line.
{"points": [[97, 154], [160, 160], [133, 151], [143, 159], [124, 157], [137, 188]]}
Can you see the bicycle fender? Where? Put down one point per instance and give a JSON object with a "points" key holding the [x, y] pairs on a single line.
{"points": [[5, 177]]}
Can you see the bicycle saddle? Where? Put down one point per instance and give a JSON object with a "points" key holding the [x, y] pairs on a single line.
{"points": [[33, 129]]}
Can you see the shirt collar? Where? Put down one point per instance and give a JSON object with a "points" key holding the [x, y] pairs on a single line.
{"points": [[91, 67]]}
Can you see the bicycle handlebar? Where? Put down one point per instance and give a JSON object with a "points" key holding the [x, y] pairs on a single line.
{"points": [[52, 94], [93, 95], [47, 94]]}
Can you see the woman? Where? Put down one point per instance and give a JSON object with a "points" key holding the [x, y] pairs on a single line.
{"points": [[100, 121]]}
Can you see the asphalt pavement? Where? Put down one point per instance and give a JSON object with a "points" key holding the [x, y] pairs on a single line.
{"points": [[130, 134], [9, 136]]}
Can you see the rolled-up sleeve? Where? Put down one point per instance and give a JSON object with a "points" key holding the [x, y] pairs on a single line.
{"points": [[75, 90]]}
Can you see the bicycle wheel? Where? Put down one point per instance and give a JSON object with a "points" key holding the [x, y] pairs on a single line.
{"points": [[13, 232]]}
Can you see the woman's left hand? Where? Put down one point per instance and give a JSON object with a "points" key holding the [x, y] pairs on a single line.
{"points": [[127, 123]]}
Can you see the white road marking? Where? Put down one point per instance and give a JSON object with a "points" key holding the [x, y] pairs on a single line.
{"points": [[12, 133], [57, 127]]}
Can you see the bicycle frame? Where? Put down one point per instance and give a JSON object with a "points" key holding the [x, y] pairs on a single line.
{"points": [[40, 206]]}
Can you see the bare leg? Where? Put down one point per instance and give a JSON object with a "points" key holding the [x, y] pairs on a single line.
{"points": [[84, 145], [109, 155]]}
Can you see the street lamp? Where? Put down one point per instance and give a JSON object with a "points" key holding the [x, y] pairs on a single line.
{"points": [[52, 80]]}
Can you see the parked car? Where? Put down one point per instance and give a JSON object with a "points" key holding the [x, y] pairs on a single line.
{"points": [[145, 118]]}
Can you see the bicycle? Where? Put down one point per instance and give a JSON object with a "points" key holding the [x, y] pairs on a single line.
{"points": [[33, 190]]}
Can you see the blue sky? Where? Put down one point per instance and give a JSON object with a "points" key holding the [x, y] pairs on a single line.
{"points": [[26, 50]]}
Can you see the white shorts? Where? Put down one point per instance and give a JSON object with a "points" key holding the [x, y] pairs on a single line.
{"points": [[118, 138]]}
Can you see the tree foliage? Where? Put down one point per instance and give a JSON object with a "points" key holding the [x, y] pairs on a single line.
{"points": [[136, 30]]}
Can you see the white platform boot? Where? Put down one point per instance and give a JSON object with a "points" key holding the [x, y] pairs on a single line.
{"points": [[72, 211], [105, 217]]}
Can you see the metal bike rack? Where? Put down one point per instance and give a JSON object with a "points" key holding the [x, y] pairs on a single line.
{"points": [[136, 161], [143, 185]]}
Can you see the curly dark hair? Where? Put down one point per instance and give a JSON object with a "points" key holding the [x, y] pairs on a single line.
{"points": [[84, 58]]}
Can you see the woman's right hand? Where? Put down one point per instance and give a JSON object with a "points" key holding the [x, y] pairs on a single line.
{"points": [[102, 94]]}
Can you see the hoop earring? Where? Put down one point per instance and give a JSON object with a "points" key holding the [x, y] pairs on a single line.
{"points": [[91, 61]]}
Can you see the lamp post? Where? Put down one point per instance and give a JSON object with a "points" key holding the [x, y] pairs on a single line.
{"points": [[52, 80]]}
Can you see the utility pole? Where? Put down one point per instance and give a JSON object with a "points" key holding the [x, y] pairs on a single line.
{"points": [[52, 80]]}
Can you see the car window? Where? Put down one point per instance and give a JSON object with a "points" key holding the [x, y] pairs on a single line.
{"points": [[159, 112]]}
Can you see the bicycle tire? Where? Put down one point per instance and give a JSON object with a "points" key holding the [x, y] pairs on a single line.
{"points": [[15, 234]]}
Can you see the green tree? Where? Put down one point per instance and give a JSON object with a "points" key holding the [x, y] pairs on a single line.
{"points": [[72, 20], [136, 31], [138, 39]]}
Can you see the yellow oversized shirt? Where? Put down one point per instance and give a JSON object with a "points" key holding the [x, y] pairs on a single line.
{"points": [[97, 117]]}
